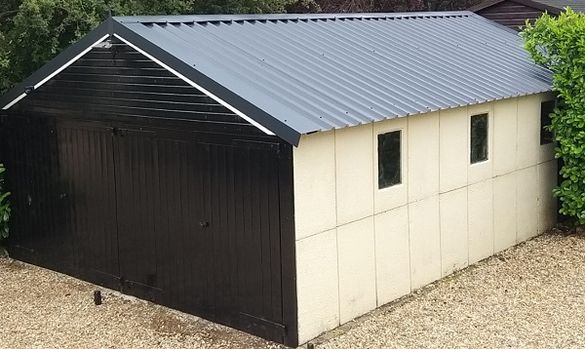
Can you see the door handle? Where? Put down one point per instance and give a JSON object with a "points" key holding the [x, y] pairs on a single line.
{"points": [[204, 224], [119, 132]]}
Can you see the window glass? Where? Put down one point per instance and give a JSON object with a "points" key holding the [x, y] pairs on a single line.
{"points": [[479, 138], [389, 162], [546, 108]]}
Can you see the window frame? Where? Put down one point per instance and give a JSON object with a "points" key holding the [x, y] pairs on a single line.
{"points": [[401, 163], [487, 116], [544, 134]]}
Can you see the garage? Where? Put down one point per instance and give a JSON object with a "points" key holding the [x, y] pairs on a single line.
{"points": [[282, 174], [126, 176]]}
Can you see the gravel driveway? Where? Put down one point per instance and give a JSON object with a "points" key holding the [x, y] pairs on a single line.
{"points": [[531, 296], [43, 309]]}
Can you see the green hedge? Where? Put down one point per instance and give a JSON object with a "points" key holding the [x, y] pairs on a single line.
{"points": [[559, 44]]}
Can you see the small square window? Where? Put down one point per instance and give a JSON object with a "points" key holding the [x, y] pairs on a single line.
{"points": [[546, 109], [479, 138], [389, 159]]}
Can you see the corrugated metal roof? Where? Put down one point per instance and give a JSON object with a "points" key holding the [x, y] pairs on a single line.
{"points": [[317, 73], [298, 74]]}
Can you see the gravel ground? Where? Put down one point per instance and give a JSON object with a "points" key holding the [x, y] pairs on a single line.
{"points": [[43, 309], [530, 296]]}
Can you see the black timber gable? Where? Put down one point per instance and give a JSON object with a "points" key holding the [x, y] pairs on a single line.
{"points": [[120, 82]]}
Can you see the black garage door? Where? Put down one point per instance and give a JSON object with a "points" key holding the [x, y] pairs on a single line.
{"points": [[189, 220]]}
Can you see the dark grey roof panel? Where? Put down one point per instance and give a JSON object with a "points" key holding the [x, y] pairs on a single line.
{"points": [[298, 74], [320, 72]]}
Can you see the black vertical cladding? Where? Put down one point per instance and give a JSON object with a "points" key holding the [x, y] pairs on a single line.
{"points": [[126, 176]]}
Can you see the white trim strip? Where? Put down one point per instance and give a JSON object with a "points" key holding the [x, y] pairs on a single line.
{"points": [[14, 101], [184, 78], [63, 67]]}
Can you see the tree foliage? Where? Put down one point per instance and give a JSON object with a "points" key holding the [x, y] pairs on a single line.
{"points": [[559, 44], [34, 31], [394, 5]]}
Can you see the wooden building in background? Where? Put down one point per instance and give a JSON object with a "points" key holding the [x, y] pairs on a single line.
{"points": [[514, 13]]}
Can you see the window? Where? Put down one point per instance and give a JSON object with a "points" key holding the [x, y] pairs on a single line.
{"points": [[389, 160], [546, 108], [479, 138]]}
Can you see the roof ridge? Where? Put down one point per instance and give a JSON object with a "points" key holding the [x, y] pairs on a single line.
{"points": [[288, 16]]}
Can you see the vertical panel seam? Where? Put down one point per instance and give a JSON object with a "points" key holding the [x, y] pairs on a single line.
{"points": [[467, 166], [374, 186], [408, 203], [439, 194], [516, 166], [336, 228]]}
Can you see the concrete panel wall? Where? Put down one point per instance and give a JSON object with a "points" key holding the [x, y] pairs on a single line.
{"points": [[480, 220], [354, 173], [504, 211], [425, 242], [314, 175], [528, 148], [453, 149], [547, 203], [392, 255], [505, 128], [357, 268], [359, 247], [317, 284], [527, 203], [423, 156], [454, 233]]}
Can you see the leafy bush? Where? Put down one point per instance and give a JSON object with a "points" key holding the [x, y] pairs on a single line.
{"points": [[559, 44], [4, 206]]}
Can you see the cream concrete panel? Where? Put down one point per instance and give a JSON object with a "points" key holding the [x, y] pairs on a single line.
{"points": [[454, 158], [547, 203], [528, 131], [396, 195], [423, 156], [546, 153], [317, 285], [425, 242], [354, 172], [392, 257], [526, 203], [454, 240], [357, 269], [505, 128], [481, 220], [504, 211], [481, 171], [314, 176]]}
